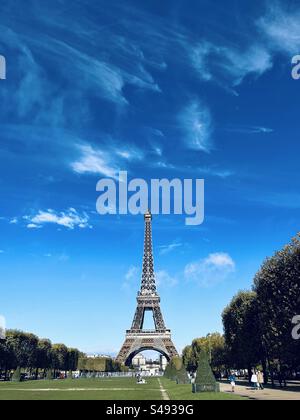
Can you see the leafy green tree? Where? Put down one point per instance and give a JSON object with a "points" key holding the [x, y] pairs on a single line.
{"points": [[27, 351], [24, 347], [98, 364], [214, 345], [167, 371], [172, 368], [242, 331], [277, 285], [7, 358], [43, 355], [189, 359], [72, 359], [59, 357]]}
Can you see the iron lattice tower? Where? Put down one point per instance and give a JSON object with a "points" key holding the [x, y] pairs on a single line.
{"points": [[137, 339]]}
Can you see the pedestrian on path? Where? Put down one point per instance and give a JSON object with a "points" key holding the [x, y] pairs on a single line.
{"points": [[260, 380], [232, 380], [254, 380]]}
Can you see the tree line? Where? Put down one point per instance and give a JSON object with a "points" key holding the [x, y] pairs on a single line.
{"points": [[39, 357], [99, 364], [258, 322], [215, 348]]}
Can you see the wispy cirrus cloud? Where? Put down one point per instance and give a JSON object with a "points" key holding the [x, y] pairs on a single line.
{"points": [[69, 219], [107, 160], [211, 270], [280, 27], [166, 249], [249, 129], [129, 153], [196, 125], [86, 69], [131, 278], [93, 161], [165, 280], [229, 65]]}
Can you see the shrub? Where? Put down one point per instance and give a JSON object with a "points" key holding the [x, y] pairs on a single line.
{"points": [[17, 375], [182, 376], [205, 380]]}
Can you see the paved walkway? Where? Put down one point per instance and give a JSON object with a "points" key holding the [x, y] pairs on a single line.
{"points": [[243, 389]]}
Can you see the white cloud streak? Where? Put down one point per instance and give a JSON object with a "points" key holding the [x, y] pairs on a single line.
{"points": [[281, 28], [196, 126], [211, 270], [165, 280], [250, 129], [228, 65], [69, 219], [130, 278], [166, 249], [93, 161]]}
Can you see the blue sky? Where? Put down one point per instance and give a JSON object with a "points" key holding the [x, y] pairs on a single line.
{"points": [[160, 89]]}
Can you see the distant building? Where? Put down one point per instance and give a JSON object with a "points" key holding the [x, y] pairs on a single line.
{"points": [[95, 356], [139, 361], [149, 367]]}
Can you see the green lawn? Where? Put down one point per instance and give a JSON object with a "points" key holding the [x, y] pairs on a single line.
{"points": [[100, 389]]}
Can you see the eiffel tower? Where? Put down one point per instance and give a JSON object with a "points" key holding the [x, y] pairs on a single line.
{"points": [[137, 339]]}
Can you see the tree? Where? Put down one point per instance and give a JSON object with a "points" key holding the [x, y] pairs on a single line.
{"points": [[72, 359], [173, 367], [44, 356], [59, 357], [188, 358], [167, 371], [7, 358], [24, 347], [277, 285], [27, 351], [214, 345], [242, 331]]}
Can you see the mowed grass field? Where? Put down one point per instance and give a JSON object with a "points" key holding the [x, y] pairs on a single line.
{"points": [[102, 389]]}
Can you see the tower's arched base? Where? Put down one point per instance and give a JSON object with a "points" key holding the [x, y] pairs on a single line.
{"points": [[137, 341]]}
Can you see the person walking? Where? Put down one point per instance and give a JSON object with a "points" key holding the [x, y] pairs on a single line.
{"points": [[254, 380], [260, 380], [232, 380]]}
